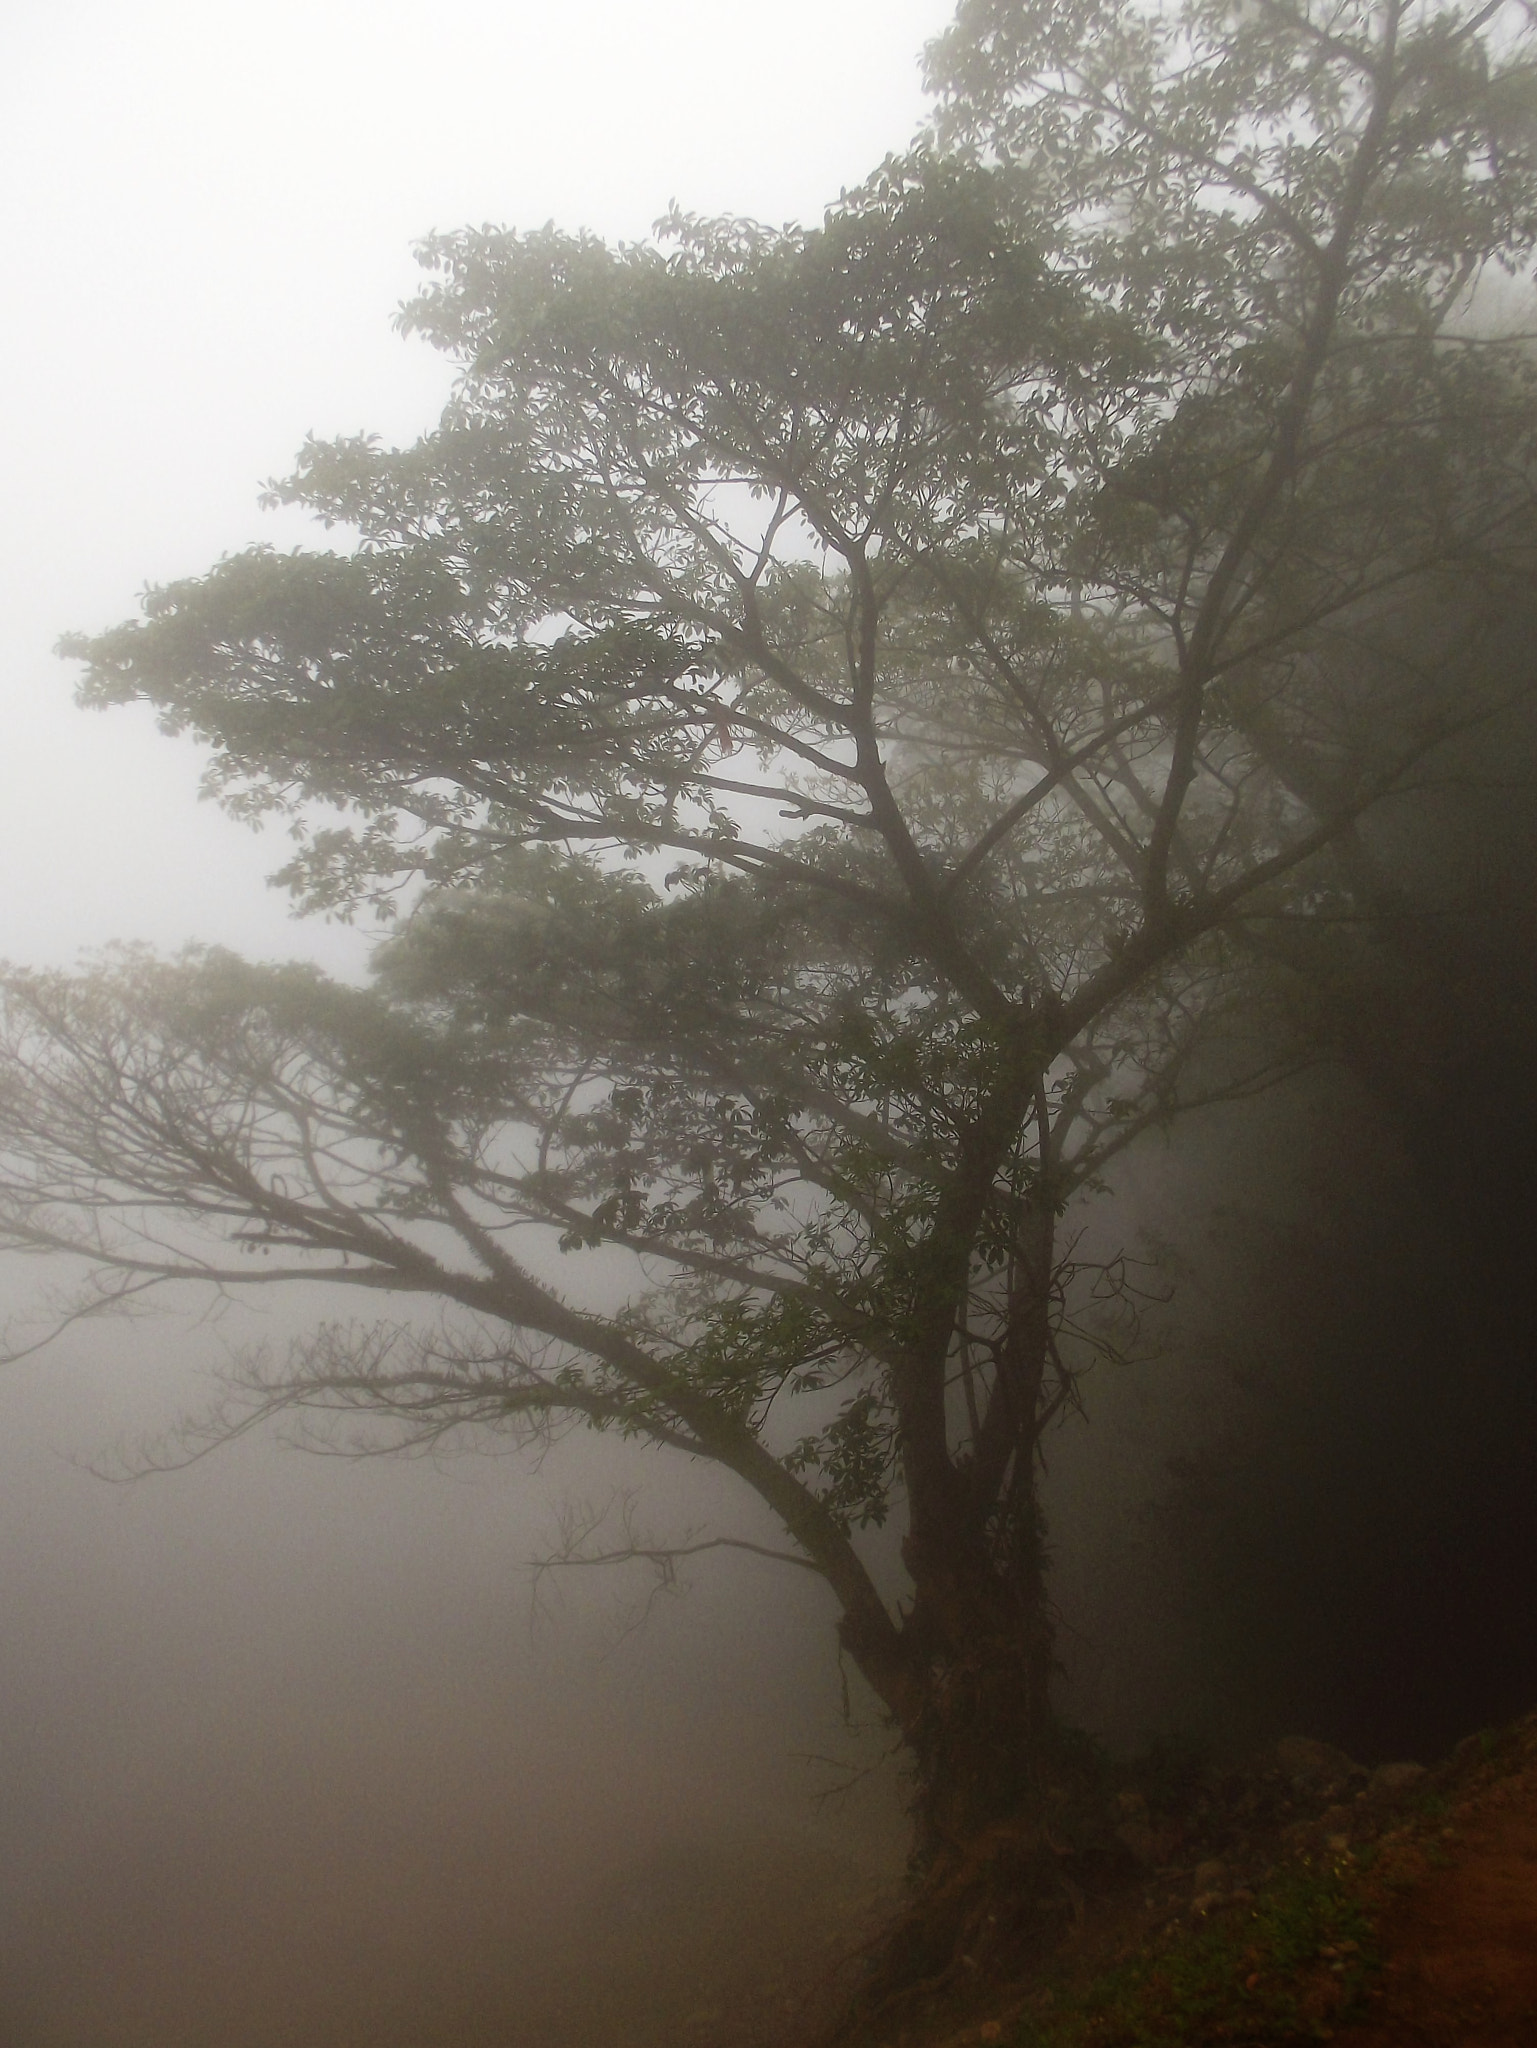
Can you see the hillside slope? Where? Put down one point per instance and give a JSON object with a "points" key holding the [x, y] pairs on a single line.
{"points": [[1304, 1899]]}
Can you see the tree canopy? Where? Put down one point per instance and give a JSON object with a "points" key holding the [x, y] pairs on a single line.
{"points": [[839, 708]]}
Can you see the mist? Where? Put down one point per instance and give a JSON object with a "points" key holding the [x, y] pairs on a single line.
{"points": [[1310, 1506], [296, 1748], [310, 1749], [292, 1752]]}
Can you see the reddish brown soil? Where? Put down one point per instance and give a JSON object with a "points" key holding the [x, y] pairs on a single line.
{"points": [[1459, 1942], [1436, 1869]]}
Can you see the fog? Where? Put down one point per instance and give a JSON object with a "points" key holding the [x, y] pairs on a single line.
{"points": [[288, 1754], [209, 216], [1312, 1506], [297, 1748]]}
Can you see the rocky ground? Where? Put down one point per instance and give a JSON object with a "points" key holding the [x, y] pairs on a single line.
{"points": [[1456, 1890], [1300, 1898]]}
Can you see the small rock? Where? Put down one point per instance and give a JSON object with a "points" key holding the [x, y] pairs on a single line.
{"points": [[1150, 1845], [1209, 1877], [1388, 1780], [1314, 1767]]}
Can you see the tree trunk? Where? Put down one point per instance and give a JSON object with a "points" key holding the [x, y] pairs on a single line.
{"points": [[973, 1707], [970, 1690], [981, 1636], [975, 1647]]}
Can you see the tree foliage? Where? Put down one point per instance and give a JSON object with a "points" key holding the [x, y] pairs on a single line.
{"points": [[841, 706]]}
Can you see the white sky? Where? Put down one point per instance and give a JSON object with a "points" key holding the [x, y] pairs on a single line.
{"points": [[207, 209]]}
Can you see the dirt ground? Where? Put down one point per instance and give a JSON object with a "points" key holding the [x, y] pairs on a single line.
{"points": [[1412, 1919], [1459, 1943]]}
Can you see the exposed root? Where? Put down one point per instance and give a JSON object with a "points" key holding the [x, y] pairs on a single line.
{"points": [[986, 1908]]}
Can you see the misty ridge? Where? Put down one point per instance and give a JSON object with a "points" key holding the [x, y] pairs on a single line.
{"points": [[930, 1186]]}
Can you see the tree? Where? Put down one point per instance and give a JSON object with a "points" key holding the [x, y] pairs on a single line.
{"points": [[841, 705]]}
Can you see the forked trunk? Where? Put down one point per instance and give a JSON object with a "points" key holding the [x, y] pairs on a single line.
{"points": [[982, 1640], [970, 1692], [972, 1702]]}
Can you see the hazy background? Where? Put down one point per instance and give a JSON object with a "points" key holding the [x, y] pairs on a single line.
{"points": [[282, 1757], [286, 1756], [208, 212]]}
